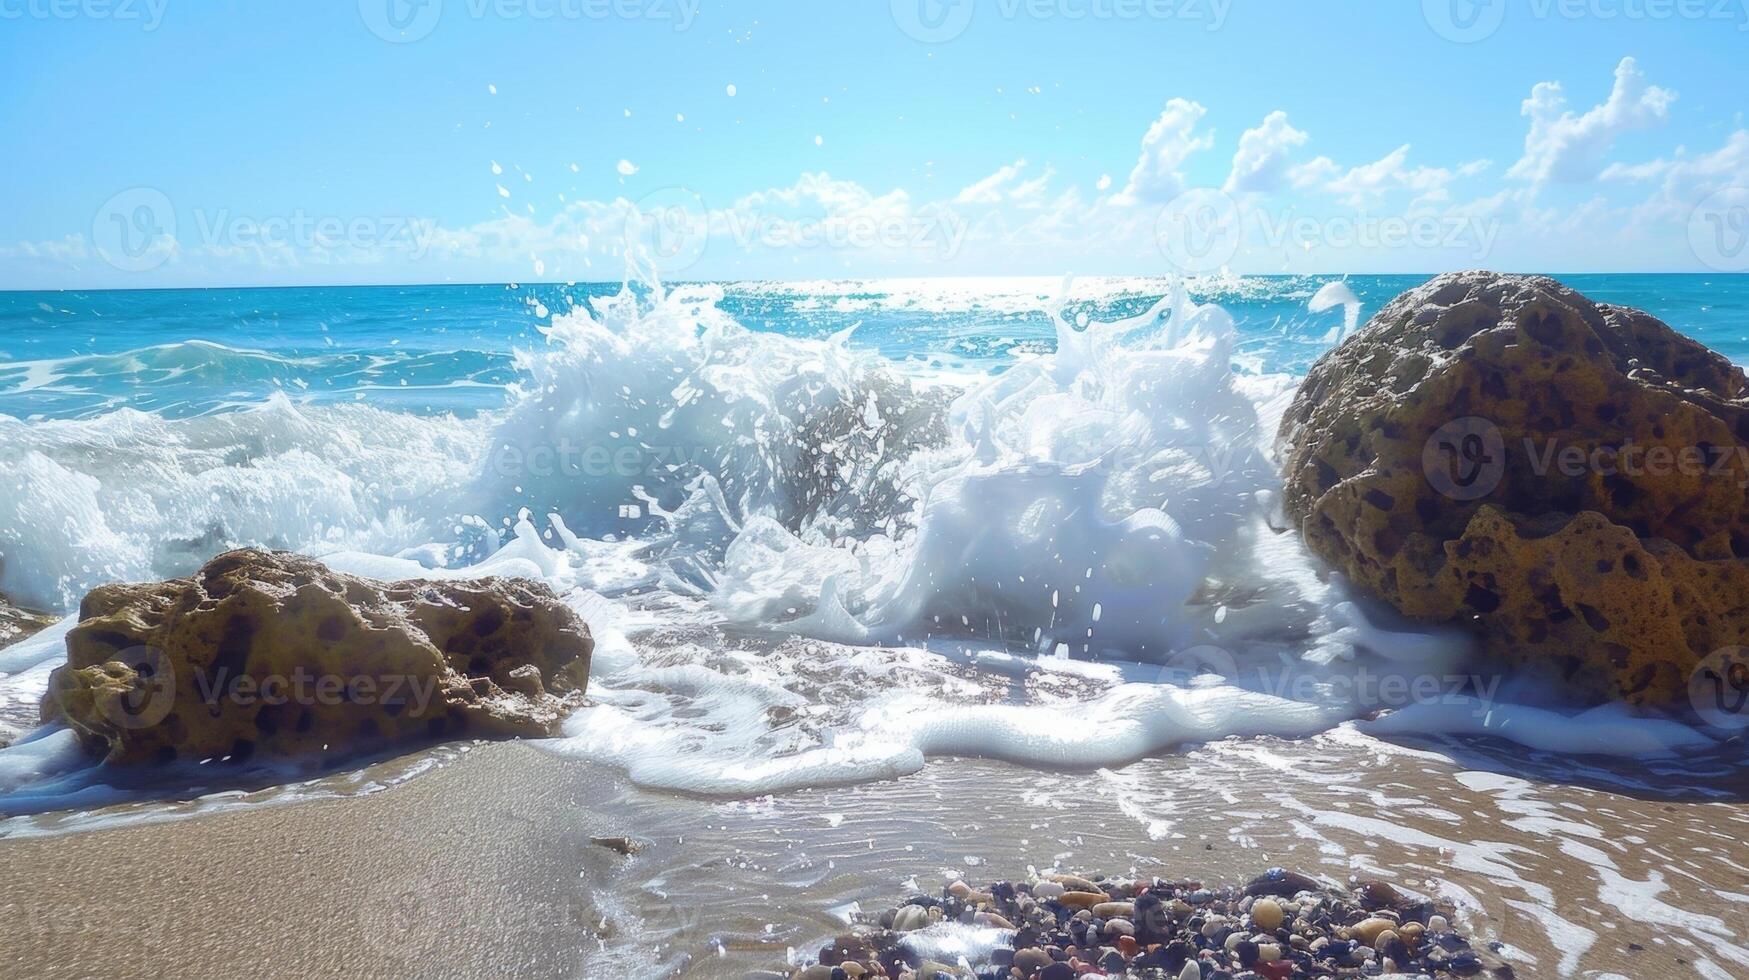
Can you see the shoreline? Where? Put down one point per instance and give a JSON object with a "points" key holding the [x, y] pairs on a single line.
{"points": [[546, 859], [486, 864]]}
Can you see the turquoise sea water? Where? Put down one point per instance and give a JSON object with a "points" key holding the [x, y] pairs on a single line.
{"points": [[427, 349], [768, 497]]}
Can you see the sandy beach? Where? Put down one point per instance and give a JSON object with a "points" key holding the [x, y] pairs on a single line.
{"points": [[485, 866], [926, 490]]}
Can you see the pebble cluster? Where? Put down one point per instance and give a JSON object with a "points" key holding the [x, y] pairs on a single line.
{"points": [[1059, 927]]}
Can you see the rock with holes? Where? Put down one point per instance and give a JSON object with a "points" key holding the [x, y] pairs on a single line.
{"points": [[1566, 476], [270, 653]]}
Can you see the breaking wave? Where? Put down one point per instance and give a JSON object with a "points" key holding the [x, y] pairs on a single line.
{"points": [[806, 562]]}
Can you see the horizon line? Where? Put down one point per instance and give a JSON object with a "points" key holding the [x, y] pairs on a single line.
{"points": [[888, 278]]}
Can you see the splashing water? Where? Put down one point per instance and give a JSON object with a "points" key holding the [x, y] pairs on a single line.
{"points": [[805, 562], [1335, 294]]}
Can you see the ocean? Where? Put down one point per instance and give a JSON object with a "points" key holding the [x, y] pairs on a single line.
{"points": [[891, 583], [451, 349], [1038, 498]]}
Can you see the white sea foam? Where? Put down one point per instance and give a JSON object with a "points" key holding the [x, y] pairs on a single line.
{"points": [[1610, 729], [803, 563], [133, 496], [952, 942], [1337, 294]]}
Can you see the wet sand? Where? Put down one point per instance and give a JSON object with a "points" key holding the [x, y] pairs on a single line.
{"points": [[484, 865]]}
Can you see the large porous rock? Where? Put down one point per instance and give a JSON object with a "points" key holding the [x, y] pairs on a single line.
{"points": [[269, 653], [1568, 476]]}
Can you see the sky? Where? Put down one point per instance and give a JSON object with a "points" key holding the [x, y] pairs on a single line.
{"points": [[159, 143]]}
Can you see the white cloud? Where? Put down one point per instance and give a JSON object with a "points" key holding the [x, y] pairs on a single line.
{"points": [[1565, 147], [1629, 172], [1028, 220], [1030, 194], [820, 195], [989, 190], [1261, 164], [72, 248], [1167, 144], [1366, 184], [1005, 185], [1688, 180]]}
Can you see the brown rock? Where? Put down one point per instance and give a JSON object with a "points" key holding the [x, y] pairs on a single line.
{"points": [[1267, 914], [1083, 900], [624, 846], [17, 624], [1281, 883], [1075, 883], [1368, 931], [273, 653], [1567, 477], [851, 947]]}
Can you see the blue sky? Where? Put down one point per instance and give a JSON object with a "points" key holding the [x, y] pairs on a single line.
{"points": [[173, 142]]}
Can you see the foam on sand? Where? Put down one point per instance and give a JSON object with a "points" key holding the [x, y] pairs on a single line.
{"points": [[804, 563]]}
